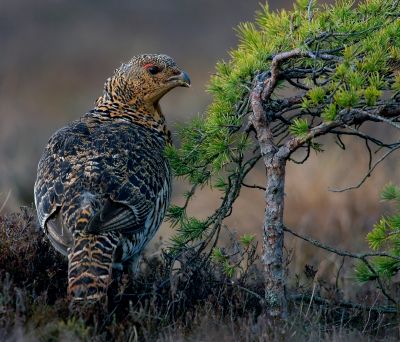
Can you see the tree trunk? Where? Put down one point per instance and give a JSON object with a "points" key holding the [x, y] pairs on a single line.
{"points": [[273, 235], [275, 163]]}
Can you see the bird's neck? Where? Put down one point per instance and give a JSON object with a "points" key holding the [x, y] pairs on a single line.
{"points": [[118, 102], [149, 116]]}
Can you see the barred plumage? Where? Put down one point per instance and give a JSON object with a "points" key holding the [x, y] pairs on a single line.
{"points": [[103, 183]]}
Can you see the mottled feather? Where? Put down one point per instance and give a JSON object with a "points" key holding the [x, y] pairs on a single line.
{"points": [[103, 182]]}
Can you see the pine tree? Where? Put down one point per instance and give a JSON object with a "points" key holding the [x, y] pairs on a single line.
{"points": [[340, 63]]}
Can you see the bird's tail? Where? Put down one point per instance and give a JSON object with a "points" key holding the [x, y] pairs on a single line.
{"points": [[90, 261]]}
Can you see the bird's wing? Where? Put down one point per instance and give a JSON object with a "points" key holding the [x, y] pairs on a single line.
{"points": [[118, 216], [109, 179], [60, 237], [136, 181], [49, 186]]}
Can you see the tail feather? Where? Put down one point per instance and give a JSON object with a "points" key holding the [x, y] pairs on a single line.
{"points": [[87, 205], [90, 261]]}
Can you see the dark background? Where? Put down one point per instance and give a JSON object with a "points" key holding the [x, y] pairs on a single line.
{"points": [[56, 55]]}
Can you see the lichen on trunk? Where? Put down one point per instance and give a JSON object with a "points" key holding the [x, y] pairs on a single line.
{"points": [[272, 256], [273, 235]]}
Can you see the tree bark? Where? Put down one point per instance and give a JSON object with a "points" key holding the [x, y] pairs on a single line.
{"points": [[275, 163], [273, 236]]}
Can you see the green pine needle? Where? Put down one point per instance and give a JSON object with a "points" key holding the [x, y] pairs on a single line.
{"points": [[384, 236], [378, 235], [299, 127], [247, 239], [316, 95], [229, 269], [218, 256], [390, 192], [363, 273], [329, 113], [372, 94]]}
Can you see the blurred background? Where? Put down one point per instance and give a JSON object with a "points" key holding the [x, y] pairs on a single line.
{"points": [[56, 55]]}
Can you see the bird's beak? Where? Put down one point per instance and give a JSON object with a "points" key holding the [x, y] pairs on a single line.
{"points": [[182, 79]]}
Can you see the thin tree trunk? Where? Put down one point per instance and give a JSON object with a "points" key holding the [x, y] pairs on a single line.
{"points": [[273, 237], [272, 256], [275, 163]]}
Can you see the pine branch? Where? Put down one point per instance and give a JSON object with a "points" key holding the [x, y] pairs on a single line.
{"points": [[344, 304], [361, 256], [340, 251], [345, 118]]}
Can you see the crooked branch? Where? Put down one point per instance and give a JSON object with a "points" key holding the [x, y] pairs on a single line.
{"points": [[345, 118], [270, 82]]}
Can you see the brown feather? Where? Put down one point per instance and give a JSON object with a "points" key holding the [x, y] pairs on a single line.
{"points": [[103, 182]]}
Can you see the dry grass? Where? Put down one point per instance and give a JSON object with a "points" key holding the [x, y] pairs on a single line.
{"points": [[192, 304]]}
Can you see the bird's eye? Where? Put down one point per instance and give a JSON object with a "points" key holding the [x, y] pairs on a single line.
{"points": [[152, 69]]}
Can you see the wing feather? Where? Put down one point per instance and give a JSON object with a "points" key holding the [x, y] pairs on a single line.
{"points": [[118, 216]]}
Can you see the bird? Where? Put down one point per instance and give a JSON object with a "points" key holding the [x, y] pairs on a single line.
{"points": [[104, 183]]}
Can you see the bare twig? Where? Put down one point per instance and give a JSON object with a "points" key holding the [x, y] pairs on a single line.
{"points": [[369, 315], [346, 305], [5, 201], [370, 170], [247, 290], [297, 84], [302, 161], [311, 299], [338, 273], [254, 186], [339, 251], [358, 133], [383, 119]]}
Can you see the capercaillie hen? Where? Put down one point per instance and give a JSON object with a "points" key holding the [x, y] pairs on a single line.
{"points": [[103, 183]]}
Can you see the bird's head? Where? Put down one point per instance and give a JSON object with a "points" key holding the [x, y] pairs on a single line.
{"points": [[144, 80]]}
